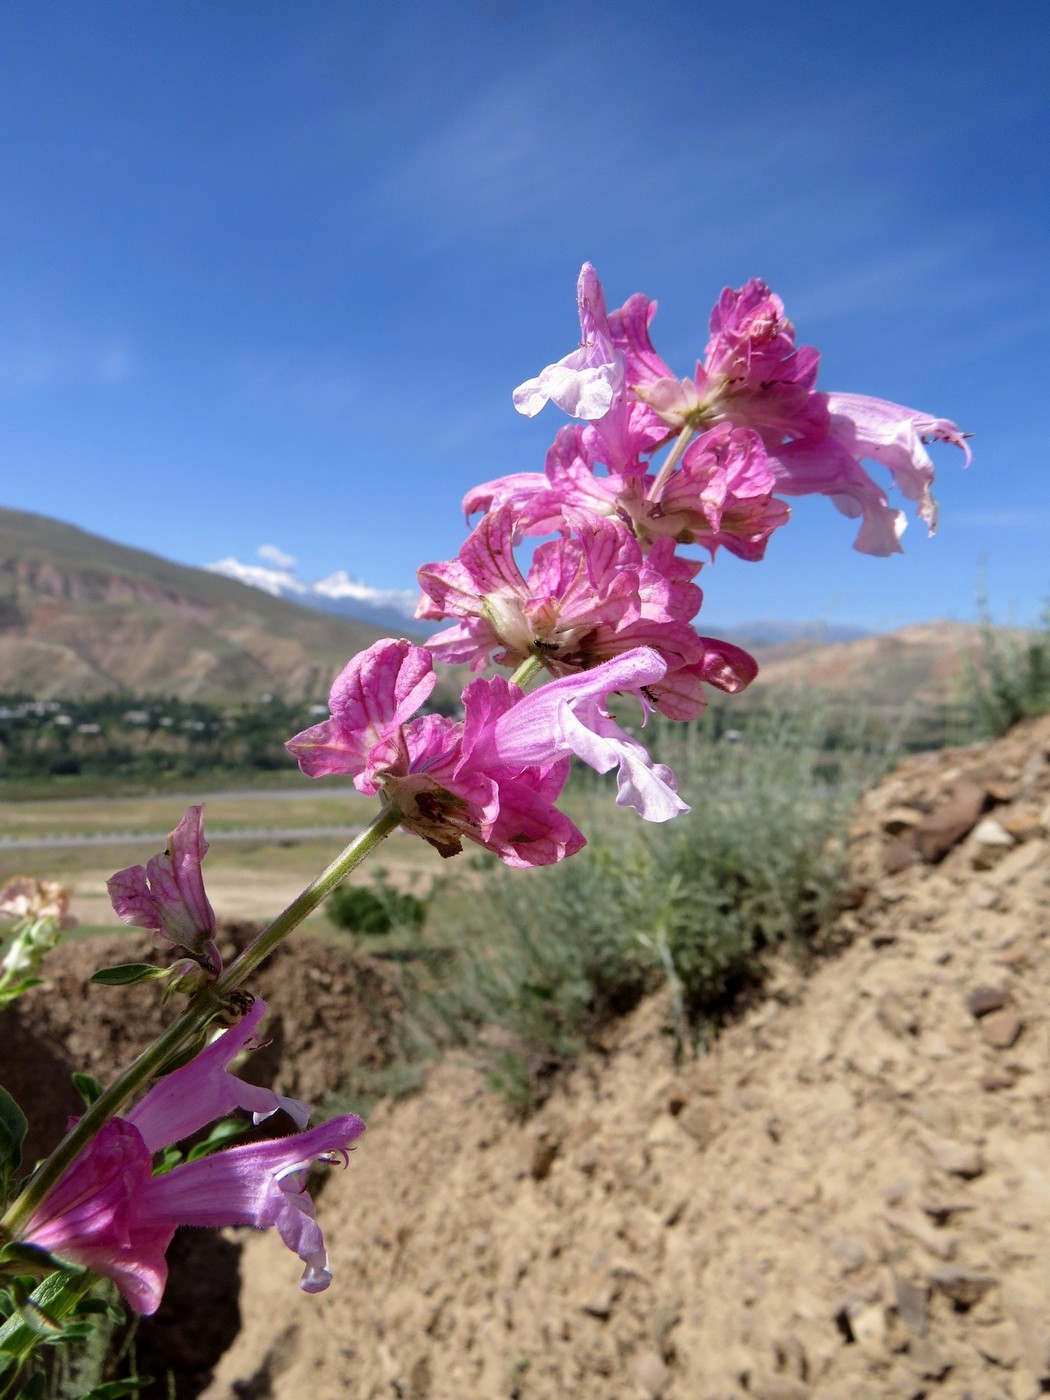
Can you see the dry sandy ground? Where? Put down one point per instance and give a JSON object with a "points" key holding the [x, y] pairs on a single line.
{"points": [[847, 1199]]}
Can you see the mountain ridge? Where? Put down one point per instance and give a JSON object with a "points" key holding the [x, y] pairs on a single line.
{"points": [[81, 615]]}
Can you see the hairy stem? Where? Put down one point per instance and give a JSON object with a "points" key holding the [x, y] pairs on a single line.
{"points": [[526, 672]]}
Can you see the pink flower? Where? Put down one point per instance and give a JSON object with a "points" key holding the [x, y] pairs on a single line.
{"points": [[167, 896], [587, 596], [568, 717], [422, 766], [450, 781], [721, 496], [112, 1215], [753, 377], [585, 383]]}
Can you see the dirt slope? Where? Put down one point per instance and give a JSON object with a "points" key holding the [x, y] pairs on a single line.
{"points": [[848, 1198]]}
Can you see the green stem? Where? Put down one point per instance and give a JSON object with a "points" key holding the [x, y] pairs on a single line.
{"points": [[202, 1010], [526, 671], [672, 460], [358, 850]]}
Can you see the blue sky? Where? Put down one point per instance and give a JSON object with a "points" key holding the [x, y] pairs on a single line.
{"points": [[268, 272]]}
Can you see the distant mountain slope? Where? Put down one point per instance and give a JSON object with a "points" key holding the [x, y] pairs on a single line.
{"points": [[80, 615], [923, 667]]}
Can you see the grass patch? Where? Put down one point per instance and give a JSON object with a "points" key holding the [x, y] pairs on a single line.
{"points": [[537, 964], [1011, 681]]}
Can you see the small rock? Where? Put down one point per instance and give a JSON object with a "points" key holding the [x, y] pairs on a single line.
{"points": [[882, 937], [999, 1343], [544, 1150], [651, 1374], [912, 1301], [988, 899], [910, 1222], [676, 1099], [898, 1014], [945, 827], [1001, 1029], [999, 789], [674, 1212], [1023, 825], [957, 1158], [700, 1121], [983, 1000], [1033, 1334], [928, 1359], [1012, 956], [994, 1082], [600, 1290], [778, 1388], [905, 1383], [941, 1211], [588, 1158], [899, 855], [868, 1326], [963, 1286], [850, 1255], [990, 832]]}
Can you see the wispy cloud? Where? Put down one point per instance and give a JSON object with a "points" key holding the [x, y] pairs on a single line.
{"points": [[31, 366], [273, 555], [1031, 520]]}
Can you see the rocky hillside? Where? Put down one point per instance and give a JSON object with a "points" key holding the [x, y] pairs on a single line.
{"points": [[82, 616], [847, 1198]]}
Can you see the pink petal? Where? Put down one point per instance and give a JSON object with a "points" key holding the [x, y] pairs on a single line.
{"points": [[203, 1090], [256, 1184]]}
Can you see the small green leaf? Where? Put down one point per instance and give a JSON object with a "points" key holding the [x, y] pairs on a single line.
{"points": [[113, 1390], [15, 989], [99, 1307], [125, 973], [13, 1126], [221, 1133], [170, 1157], [87, 1086], [34, 1388]]}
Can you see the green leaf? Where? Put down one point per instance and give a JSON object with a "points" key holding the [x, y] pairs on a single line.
{"points": [[170, 1157], [113, 1390], [125, 973], [36, 1259], [220, 1134], [13, 1125], [87, 1086], [34, 1388], [15, 989], [40, 1317], [99, 1307]]}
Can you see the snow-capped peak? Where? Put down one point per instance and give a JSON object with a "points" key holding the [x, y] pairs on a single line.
{"points": [[339, 592]]}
